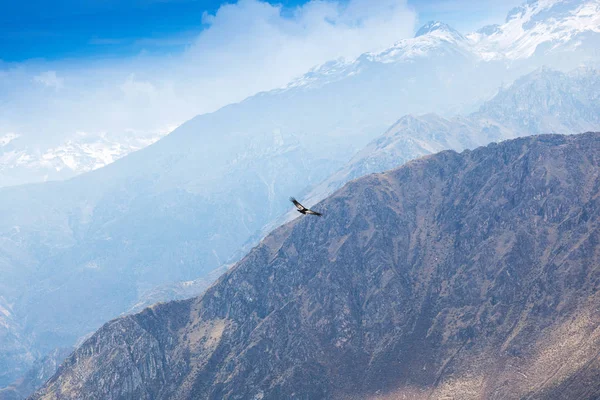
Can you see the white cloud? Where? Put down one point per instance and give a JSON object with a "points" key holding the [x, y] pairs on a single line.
{"points": [[50, 79], [250, 46], [247, 47]]}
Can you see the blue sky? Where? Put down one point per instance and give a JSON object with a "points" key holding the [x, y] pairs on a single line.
{"points": [[62, 29], [75, 28]]}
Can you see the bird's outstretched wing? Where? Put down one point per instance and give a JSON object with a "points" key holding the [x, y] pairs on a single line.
{"points": [[303, 209], [299, 206]]}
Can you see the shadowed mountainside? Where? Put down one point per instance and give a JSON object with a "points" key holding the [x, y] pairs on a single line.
{"points": [[474, 274]]}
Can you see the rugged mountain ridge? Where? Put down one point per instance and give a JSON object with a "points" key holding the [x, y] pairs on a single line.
{"points": [[539, 28], [474, 274], [569, 103], [544, 101]]}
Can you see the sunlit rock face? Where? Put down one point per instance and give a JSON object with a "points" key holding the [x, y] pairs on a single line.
{"points": [[471, 275]]}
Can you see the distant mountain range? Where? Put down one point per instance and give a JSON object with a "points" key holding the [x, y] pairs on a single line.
{"points": [[472, 275], [76, 253], [20, 163], [438, 70], [544, 101]]}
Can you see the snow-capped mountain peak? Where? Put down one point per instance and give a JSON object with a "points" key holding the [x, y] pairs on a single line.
{"points": [[429, 38], [537, 26], [433, 37], [437, 27], [552, 22]]}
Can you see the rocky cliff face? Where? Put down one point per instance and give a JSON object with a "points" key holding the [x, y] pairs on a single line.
{"points": [[471, 275]]}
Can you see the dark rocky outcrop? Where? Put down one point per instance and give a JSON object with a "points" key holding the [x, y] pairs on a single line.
{"points": [[471, 275]]}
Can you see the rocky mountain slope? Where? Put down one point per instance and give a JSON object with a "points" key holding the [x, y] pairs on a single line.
{"points": [[472, 275]]}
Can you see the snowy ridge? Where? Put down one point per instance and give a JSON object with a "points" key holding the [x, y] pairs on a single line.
{"points": [[556, 22], [88, 156], [544, 21], [434, 37], [81, 153], [326, 73]]}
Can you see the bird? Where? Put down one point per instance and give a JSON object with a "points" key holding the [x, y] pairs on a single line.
{"points": [[302, 209]]}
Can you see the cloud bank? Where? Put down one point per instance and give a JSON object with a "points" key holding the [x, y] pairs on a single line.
{"points": [[246, 47]]}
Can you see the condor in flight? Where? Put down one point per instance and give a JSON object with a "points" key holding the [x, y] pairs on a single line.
{"points": [[302, 209]]}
